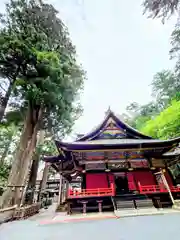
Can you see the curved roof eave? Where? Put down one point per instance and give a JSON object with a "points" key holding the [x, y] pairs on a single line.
{"points": [[120, 123], [117, 143]]}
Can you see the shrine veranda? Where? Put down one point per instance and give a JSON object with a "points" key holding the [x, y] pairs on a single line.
{"points": [[115, 167]]}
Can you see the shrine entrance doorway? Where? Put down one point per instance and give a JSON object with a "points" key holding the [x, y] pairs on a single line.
{"points": [[121, 183]]}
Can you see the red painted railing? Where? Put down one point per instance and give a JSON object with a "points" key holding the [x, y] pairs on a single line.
{"points": [[98, 192], [102, 192], [157, 189]]}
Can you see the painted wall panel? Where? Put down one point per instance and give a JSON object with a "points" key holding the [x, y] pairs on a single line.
{"points": [[144, 177], [98, 180]]}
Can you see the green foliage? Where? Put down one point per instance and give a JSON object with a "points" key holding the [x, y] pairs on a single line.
{"points": [[9, 136], [38, 61], [4, 172], [133, 107], [166, 124], [165, 86], [140, 114], [160, 8], [48, 148], [160, 118], [36, 45], [139, 121]]}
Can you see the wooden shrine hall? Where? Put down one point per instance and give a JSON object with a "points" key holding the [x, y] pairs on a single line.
{"points": [[115, 167]]}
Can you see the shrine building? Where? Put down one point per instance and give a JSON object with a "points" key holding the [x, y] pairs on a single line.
{"points": [[115, 167]]}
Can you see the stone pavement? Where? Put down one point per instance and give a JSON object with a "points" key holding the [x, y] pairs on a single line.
{"points": [[49, 216], [145, 212], [48, 213], [165, 226]]}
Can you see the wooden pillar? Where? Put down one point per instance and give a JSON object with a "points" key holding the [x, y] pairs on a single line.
{"points": [[60, 188], [64, 189], [139, 187], [69, 208], [84, 206], [62, 194], [158, 202], [45, 176], [167, 186], [100, 205], [150, 163], [43, 181], [83, 183], [134, 202], [67, 188]]}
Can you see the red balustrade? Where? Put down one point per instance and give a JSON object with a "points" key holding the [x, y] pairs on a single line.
{"points": [[157, 189], [102, 192], [98, 192]]}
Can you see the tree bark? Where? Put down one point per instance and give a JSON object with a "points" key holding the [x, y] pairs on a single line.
{"points": [[34, 168], [4, 100], [26, 161], [33, 176], [43, 181], [25, 136], [23, 156]]}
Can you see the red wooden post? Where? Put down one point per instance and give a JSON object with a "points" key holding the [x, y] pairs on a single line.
{"points": [[161, 188], [112, 189], [98, 192], [139, 185]]}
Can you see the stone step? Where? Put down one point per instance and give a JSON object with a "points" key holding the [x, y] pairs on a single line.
{"points": [[125, 204], [144, 203]]}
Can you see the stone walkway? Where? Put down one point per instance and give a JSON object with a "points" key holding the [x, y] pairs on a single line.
{"points": [[145, 212], [48, 213], [164, 226], [49, 216]]}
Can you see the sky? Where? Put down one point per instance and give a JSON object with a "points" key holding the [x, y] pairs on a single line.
{"points": [[119, 48]]}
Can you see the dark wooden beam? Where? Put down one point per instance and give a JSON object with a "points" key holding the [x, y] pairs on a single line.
{"points": [[117, 170]]}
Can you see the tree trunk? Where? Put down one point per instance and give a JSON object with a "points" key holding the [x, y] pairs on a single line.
{"points": [[34, 168], [24, 139], [4, 100], [23, 156], [33, 176], [43, 181], [26, 162]]}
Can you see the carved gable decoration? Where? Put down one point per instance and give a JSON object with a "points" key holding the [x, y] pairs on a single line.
{"points": [[112, 131]]}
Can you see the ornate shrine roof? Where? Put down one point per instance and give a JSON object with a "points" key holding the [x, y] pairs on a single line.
{"points": [[112, 127], [119, 143], [112, 134]]}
